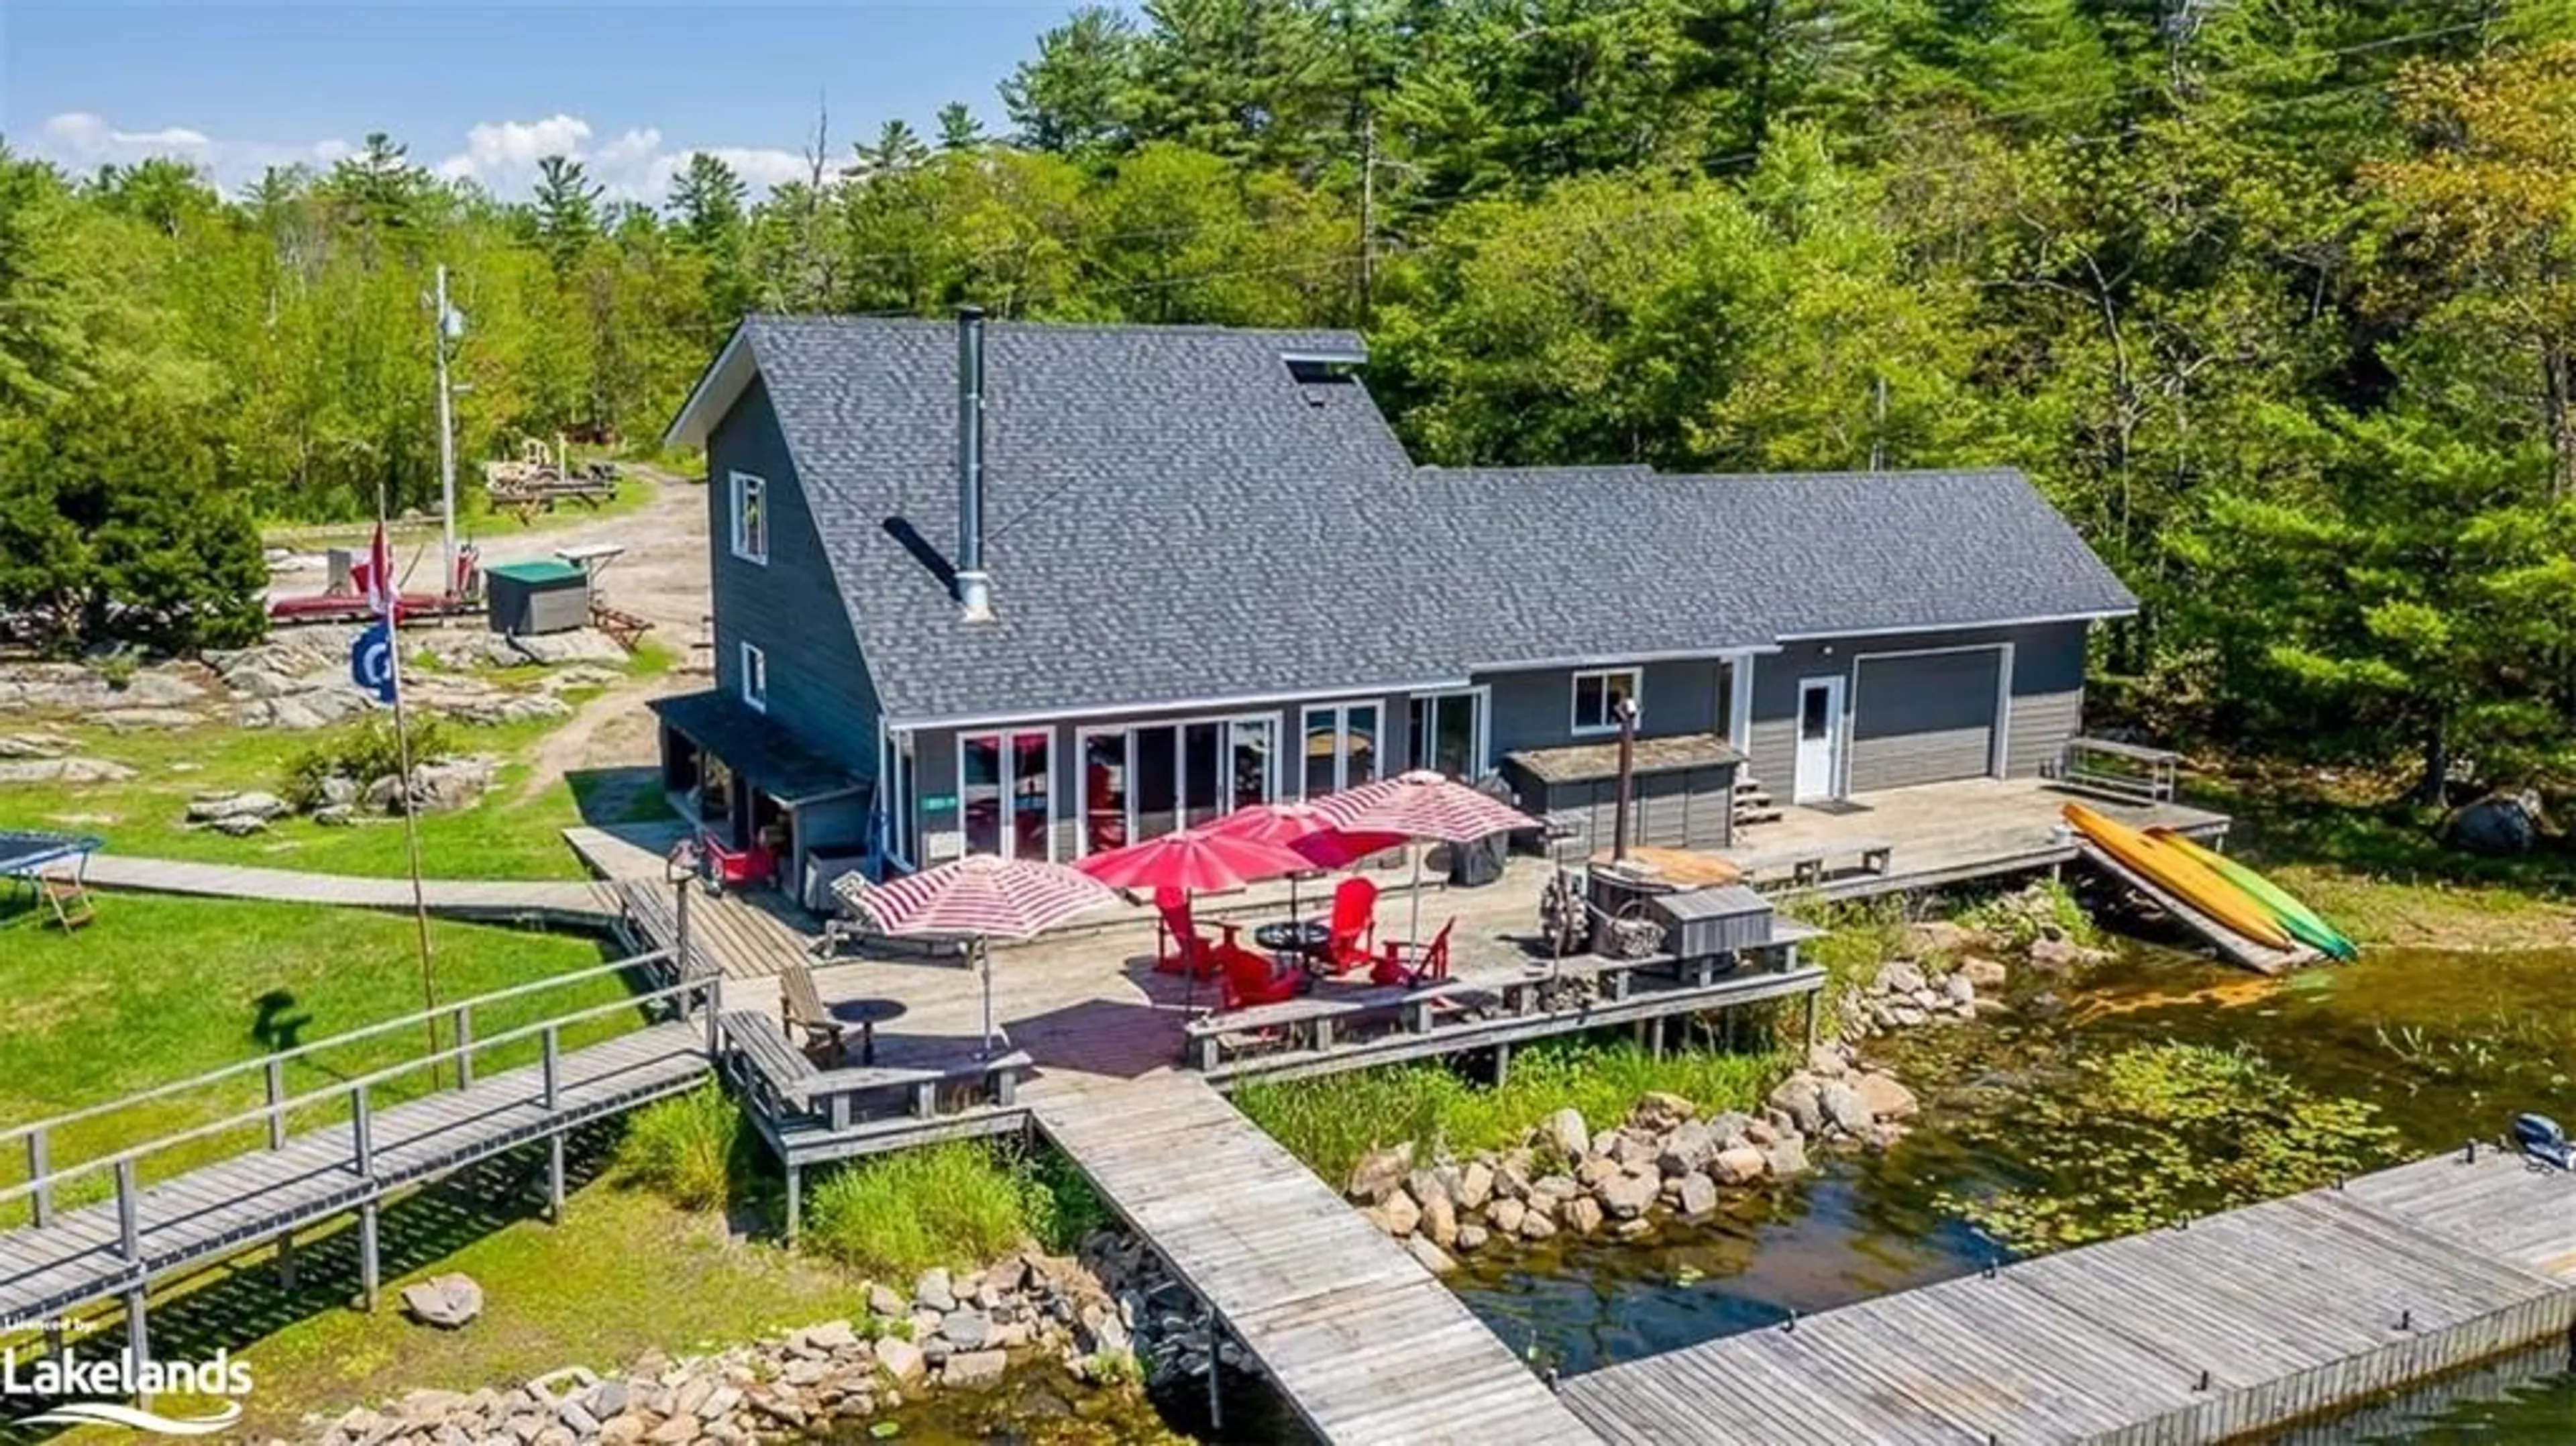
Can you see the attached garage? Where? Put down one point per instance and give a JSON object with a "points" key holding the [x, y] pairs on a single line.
{"points": [[1923, 717]]}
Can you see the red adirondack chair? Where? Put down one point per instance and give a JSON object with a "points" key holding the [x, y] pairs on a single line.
{"points": [[1347, 944], [1251, 979], [1182, 948], [1413, 964]]}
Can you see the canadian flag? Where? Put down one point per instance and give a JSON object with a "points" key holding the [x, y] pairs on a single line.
{"points": [[379, 582]]}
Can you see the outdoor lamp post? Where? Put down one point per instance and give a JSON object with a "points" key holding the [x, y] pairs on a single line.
{"points": [[680, 867], [1626, 708]]}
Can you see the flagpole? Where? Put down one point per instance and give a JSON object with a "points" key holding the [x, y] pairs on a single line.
{"points": [[410, 805]]}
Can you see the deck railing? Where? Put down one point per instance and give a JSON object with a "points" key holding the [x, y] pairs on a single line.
{"points": [[43, 1175], [2120, 770]]}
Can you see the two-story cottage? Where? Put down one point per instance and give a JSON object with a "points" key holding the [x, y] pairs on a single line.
{"points": [[1041, 590]]}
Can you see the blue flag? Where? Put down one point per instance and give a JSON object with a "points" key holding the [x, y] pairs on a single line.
{"points": [[371, 661]]}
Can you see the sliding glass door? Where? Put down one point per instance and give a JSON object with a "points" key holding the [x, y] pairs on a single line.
{"points": [[1145, 780], [1340, 748], [1447, 731], [1006, 792]]}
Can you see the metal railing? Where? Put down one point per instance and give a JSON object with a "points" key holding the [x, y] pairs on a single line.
{"points": [[44, 1176], [2120, 770]]}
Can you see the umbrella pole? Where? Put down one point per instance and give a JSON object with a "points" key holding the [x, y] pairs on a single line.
{"points": [[984, 951], [1189, 960], [1418, 852]]}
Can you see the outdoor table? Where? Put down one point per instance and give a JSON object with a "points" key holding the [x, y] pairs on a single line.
{"points": [[865, 1013], [1302, 939]]}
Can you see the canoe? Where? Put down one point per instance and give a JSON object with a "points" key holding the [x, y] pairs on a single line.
{"points": [[2305, 924], [2177, 873]]}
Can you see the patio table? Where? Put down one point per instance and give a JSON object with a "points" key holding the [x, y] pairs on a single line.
{"points": [[1301, 939]]}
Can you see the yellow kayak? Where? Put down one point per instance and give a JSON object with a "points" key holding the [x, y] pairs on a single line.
{"points": [[2179, 874]]}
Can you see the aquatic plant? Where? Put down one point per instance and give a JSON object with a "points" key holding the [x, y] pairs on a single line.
{"points": [[2156, 1133]]}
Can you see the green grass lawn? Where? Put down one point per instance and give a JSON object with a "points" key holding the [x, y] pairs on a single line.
{"points": [[475, 520], [161, 988]]}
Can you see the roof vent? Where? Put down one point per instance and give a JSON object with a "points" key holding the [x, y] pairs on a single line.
{"points": [[974, 585]]}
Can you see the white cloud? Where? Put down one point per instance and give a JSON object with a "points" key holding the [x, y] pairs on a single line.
{"points": [[501, 156]]}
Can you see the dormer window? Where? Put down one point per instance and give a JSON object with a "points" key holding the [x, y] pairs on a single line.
{"points": [[750, 518]]}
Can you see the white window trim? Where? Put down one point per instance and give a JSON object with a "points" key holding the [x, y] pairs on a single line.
{"points": [[1340, 713], [736, 484], [1483, 743], [1008, 838], [1082, 741], [891, 794], [1610, 724], [1223, 722], [1998, 752], [752, 654]]}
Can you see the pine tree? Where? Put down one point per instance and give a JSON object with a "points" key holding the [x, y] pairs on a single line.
{"points": [[959, 130], [566, 211], [1078, 95]]}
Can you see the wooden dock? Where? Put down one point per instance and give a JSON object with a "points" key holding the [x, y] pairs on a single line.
{"points": [[1362, 1340], [572, 903], [2235, 1324], [2231, 946]]}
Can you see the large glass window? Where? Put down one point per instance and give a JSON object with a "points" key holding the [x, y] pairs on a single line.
{"points": [[1200, 798], [1248, 775], [979, 791], [1340, 748], [1447, 731], [1033, 795], [1158, 782], [1105, 793], [1597, 695], [1006, 793]]}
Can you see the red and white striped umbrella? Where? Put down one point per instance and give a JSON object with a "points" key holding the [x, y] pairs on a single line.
{"points": [[1421, 805], [981, 897]]}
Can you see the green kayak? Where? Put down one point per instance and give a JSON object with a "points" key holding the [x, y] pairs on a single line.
{"points": [[2301, 922]]}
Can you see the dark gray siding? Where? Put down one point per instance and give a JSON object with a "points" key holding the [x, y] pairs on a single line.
{"points": [[1536, 709], [1923, 717], [1692, 808], [790, 608], [2047, 693]]}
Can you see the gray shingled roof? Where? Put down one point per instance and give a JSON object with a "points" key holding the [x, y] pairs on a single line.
{"points": [[1173, 517]]}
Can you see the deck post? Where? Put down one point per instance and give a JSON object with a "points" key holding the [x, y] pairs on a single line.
{"points": [[40, 1205], [275, 1075], [795, 1202], [1812, 996], [370, 1273], [555, 1178], [138, 1337], [460, 1022], [715, 1013], [1216, 1410], [362, 1133], [286, 1261], [554, 1066], [129, 1213], [1502, 1062]]}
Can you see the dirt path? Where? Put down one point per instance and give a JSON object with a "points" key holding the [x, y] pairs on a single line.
{"points": [[613, 731]]}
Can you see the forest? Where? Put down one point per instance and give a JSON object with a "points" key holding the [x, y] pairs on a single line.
{"points": [[2275, 298]]}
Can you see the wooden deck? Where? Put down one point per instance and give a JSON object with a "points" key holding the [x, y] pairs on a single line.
{"points": [[570, 904], [2239, 1322], [204, 1214], [1363, 1341], [1941, 834]]}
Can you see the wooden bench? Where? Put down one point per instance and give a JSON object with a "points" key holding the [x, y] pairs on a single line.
{"points": [[784, 1083], [1308, 1021], [1806, 866], [1521, 988]]}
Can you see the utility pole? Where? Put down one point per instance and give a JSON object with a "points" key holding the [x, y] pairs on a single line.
{"points": [[443, 327]]}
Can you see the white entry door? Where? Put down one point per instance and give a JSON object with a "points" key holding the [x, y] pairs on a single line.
{"points": [[1820, 739]]}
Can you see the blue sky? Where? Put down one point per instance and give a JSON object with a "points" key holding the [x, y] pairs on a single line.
{"points": [[482, 90]]}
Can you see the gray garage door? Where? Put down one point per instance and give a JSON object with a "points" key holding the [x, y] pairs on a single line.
{"points": [[1923, 719]]}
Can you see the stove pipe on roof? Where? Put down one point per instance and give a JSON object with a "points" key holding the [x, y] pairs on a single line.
{"points": [[974, 585]]}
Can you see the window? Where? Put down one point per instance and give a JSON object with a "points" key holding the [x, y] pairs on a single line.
{"points": [[1141, 781], [1447, 732], [1597, 695], [901, 838], [1006, 788], [750, 518], [755, 677], [1341, 747]]}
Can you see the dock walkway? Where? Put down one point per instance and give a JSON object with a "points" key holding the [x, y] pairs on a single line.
{"points": [[1363, 1341], [2237, 1323], [571, 903]]}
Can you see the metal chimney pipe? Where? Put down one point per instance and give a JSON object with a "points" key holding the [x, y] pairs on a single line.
{"points": [[974, 585]]}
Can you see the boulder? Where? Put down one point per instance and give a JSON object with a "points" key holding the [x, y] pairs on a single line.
{"points": [[335, 815], [1737, 1165], [1634, 1149], [884, 1300], [1886, 1099], [967, 1330], [974, 1369], [1439, 1220], [1471, 1237], [1688, 1147], [1397, 1215], [1627, 1194], [902, 1360], [1566, 1131], [1899, 976], [1958, 989], [1699, 1195], [1433, 1258], [677, 1431], [1583, 1214], [1379, 1173], [63, 770], [1827, 1060], [134, 720], [1801, 1098], [933, 1291], [1984, 973], [1657, 1111], [1553, 1189], [1939, 936], [2501, 824], [1475, 1185], [1593, 1169], [240, 825], [446, 1301], [40, 743], [1506, 1214], [1536, 1226], [1786, 1155], [1760, 1132], [2055, 955], [215, 807], [1844, 1106]]}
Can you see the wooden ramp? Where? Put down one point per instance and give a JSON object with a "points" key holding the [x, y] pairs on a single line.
{"points": [[572, 903], [1358, 1336], [197, 1217], [2232, 946], [2237, 1323]]}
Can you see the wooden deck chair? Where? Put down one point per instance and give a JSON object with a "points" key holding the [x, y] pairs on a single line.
{"points": [[1251, 979], [801, 1009], [67, 896], [1412, 964], [1348, 941], [1182, 948]]}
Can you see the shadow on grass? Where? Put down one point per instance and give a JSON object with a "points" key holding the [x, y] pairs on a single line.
{"points": [[235, 1305], [608, 797], [2281, 822]]}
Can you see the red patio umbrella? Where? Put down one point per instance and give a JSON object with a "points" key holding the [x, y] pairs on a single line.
{"points": [[1193, 861], [1303, 829], [981, 897], [1422, 805]]}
